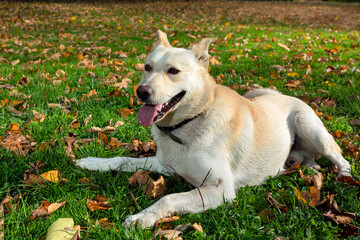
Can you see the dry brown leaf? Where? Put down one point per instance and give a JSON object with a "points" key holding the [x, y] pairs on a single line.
{"points": [[32, 179], [348, 180], [166, 220], [152, 189], [267, 215], [38, 117], [156, 188], [84, 180], [106, 224], [102, 138], [169, 234], [94, 130], [16, 142], [108, 129], [283, 46], [45, 209], [98, 203], [355, 122], [87, 120], [214, 61], [292, 169], [124, 112], [140, 178], [113, 143], [140, 66], [280, 207], [7, 86], [197, 227]]}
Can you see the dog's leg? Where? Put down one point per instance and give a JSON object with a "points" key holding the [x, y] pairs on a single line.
{"points": [[194, 201], [317, 140], [125, 164]]}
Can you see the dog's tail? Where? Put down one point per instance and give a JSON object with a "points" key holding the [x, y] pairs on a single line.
{"points": [[259, 92]]}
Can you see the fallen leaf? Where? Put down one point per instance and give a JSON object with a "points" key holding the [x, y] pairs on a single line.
{"points": [[105, 224], [124, 112], [283, 46], [102, 138], [113, 143], [348, 180], [45, 209], [140, 178], [169, 234], [350, 230], [8, 204], [267, 215], [51, 176], [7, 86], [355, 122], [63, 229], [98, 203], [152, 189], [166, 220], [278, 68], [84, 180], [197, 227], [4, 102], [38, 117], [214, 61], [74, 124], [291, 169], [280, 207], [140, 66], [87, 120]]}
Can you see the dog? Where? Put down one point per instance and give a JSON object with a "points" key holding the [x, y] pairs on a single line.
{"points": [[214, 138]]}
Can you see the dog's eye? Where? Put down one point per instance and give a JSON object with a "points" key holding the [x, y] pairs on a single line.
{"points": [[173, 71], [148, 68]]}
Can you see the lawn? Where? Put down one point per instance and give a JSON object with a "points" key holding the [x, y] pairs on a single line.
{"points": [[67, 78]]}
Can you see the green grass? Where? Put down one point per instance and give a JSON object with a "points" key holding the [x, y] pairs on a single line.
{"points": [[248, 32]]}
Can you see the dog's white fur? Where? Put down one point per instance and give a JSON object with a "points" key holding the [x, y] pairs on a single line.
{"points": [[237, 141]]}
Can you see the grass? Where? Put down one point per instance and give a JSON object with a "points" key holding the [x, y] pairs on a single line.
{"points": [[46, 38]]}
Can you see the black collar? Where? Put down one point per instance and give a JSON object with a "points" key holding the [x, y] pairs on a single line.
{"points": [[168, 130]]}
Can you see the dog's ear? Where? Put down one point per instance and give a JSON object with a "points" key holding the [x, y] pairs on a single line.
{"points": [[200, 50], [162, 40]]}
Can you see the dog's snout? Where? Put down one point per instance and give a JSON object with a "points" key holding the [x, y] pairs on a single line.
{"points": [[144, 92]]}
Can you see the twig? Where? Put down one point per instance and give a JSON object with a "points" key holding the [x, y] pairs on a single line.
{"points": [[202, 199], [206, 177], [133, 198]]}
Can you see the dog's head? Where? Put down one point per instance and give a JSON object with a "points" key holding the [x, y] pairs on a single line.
{"points": [[175, 81]]}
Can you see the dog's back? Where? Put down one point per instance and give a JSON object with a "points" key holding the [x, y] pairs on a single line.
{"points": [[260, 92]]}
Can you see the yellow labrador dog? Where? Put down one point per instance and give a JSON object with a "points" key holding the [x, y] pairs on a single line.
{"points": [[205, 130]]}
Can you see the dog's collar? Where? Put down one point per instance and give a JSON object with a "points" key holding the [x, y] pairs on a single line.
{"points": [[168, 130]]}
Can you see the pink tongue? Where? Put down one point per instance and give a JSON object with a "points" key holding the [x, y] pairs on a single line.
{"points": [[147, 114]]}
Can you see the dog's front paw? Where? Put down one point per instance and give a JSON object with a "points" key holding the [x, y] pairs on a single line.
{"points": [[99, 164], [144, 219]]}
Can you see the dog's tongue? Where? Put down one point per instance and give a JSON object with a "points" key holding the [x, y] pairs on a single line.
{"points": [[147, 114]]}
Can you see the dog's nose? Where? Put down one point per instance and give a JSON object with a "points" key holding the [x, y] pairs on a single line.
{"points": [[144, 92]]}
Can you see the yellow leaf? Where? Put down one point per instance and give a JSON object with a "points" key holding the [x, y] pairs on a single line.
{"points": [[63, 228], [4, 102], [118, 27], [293, 74], [51, 176], [80, 57]]}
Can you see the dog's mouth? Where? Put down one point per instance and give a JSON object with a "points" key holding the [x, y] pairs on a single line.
{"points": [[151, 113]]}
